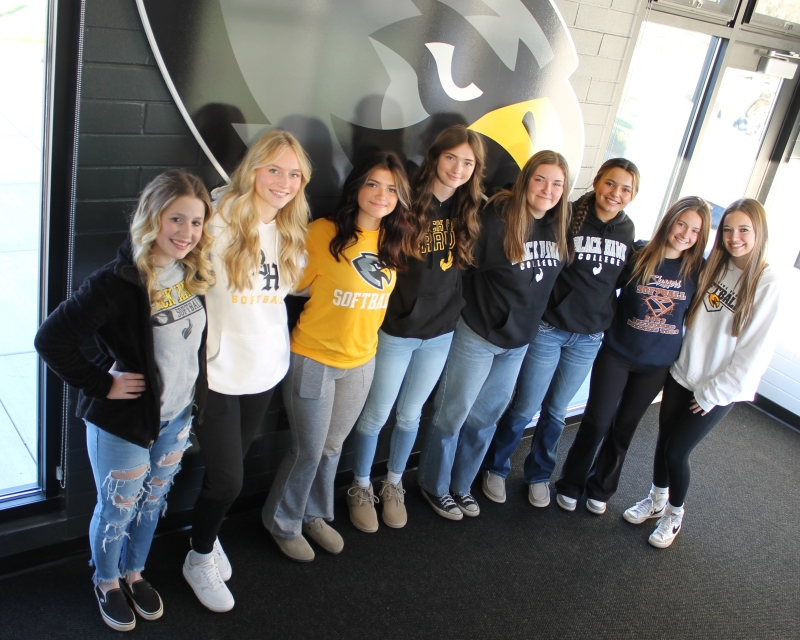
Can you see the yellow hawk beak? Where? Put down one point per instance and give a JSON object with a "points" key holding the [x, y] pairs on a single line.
{"points": [[505, 126]]}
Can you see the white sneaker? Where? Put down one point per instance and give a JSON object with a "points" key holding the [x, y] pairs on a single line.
{"points": [[597, 507], [494, 487], [224, 565], [565, 502], [669, 526], [207, 584], [539, 494], [651, 507]]}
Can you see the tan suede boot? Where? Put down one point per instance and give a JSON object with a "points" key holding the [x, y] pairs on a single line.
{"points": [[361, 501], [394, 508]]}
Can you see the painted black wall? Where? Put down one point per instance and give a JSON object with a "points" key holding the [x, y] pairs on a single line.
{"points": [[129, 130]]}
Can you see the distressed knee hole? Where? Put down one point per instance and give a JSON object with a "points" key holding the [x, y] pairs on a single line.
{"points": [[124, 503], [170, 459], [154, 498], [158, 482], [184, 433], [133, 474]]}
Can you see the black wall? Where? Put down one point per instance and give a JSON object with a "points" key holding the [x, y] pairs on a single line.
{"points": [[129, 130]]}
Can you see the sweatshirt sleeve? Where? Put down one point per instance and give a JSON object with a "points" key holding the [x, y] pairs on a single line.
{"points": [[60, 337], [753, 351]]}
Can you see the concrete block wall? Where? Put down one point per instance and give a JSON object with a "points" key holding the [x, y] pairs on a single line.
{"points": [[604, 31]]}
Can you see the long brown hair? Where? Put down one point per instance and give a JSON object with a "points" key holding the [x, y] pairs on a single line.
{"points": [[238, 208], [717, 265], [648, 260], [581, 208], [395, 228], [512, 206], [160, 193], [468, 197]]}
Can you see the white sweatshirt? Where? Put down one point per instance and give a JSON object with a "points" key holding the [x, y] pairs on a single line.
{"points": [[248, 338], [717, 367]]}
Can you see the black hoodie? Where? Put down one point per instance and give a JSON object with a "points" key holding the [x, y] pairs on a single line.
{"points": [[426, 300], [505, 300], [113, 306], [584, 296]]}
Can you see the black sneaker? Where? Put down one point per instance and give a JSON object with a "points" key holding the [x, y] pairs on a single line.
{"points": [[144, 598], [467, 504], [115, 610], [444, 505]]}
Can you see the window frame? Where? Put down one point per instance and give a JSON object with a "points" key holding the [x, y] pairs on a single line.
{"points": [[63, 52]]}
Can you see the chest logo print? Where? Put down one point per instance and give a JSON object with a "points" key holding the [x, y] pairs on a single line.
{"points": [[597, 269], [371, 269], [446, 264]]}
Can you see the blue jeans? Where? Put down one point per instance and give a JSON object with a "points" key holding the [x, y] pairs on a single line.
{"points": [[416, 365], [555, 367], [132, 485], [474, 390]]}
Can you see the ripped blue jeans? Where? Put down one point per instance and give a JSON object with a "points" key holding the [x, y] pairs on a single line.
{"points": [[132, 484]]}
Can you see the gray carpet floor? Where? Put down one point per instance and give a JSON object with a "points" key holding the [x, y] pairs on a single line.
{"points": [[513, 572]]}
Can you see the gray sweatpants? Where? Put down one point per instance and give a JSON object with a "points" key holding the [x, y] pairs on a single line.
{"points": [[323, 404]]}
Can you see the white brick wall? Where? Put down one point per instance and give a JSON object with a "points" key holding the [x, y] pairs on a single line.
{"points": [[602, 31]]}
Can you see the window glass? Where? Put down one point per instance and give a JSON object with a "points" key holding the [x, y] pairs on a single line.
{"points": [[23, 28], [657, 106], [724, 160], [783, 15], [722, 10]]}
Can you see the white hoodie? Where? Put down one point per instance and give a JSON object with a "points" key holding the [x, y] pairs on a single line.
{"points": [[717, 367], [248, 338]]}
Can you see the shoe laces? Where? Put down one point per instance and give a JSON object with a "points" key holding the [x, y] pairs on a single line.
{"points": [[210, 572], [466, 498], [393, 492], [364, 494], [447, 502], [666, 523]]}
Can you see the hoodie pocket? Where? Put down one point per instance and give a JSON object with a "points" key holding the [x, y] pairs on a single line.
{"points": [[248, 359]]}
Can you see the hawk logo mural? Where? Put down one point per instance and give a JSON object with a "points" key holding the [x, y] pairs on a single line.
{"points": [[349, 76], [369, 267]]}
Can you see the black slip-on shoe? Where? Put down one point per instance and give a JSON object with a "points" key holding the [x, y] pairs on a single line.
{"points": [[115, 609], [144, 598]]}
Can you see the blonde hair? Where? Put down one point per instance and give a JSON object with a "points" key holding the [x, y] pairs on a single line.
{"points": [[717, 265], [513, 208], [159, 194], [239, 209], [648, 260]]}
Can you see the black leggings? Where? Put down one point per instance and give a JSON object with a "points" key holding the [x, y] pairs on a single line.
{"points": [[619, 395], [679, 432], [229, 426]]}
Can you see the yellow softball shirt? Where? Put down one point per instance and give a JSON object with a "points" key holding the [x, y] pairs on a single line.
{"points": [[339, 323]]}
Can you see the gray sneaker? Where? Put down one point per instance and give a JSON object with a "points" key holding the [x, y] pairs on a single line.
{"points": [[597, 507], [539, 494], [494, 487]]}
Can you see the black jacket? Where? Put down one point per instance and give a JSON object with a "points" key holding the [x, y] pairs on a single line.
{"points": [[426, 301], [113, 306], [505, 300], [584, 296]]}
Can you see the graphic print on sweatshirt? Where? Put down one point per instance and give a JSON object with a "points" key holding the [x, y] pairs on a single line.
{"points": [[440, 236], [719, 298], [538, 255], [270, 274], [176, 304], [600, 250], [659, 297]]}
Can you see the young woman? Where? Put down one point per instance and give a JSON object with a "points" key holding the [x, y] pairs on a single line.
{"points": [[424, 307], [259, 246], [519, 253], [136, 396], [580, 309], [350, 274], [643, 341], [729, 342]]}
